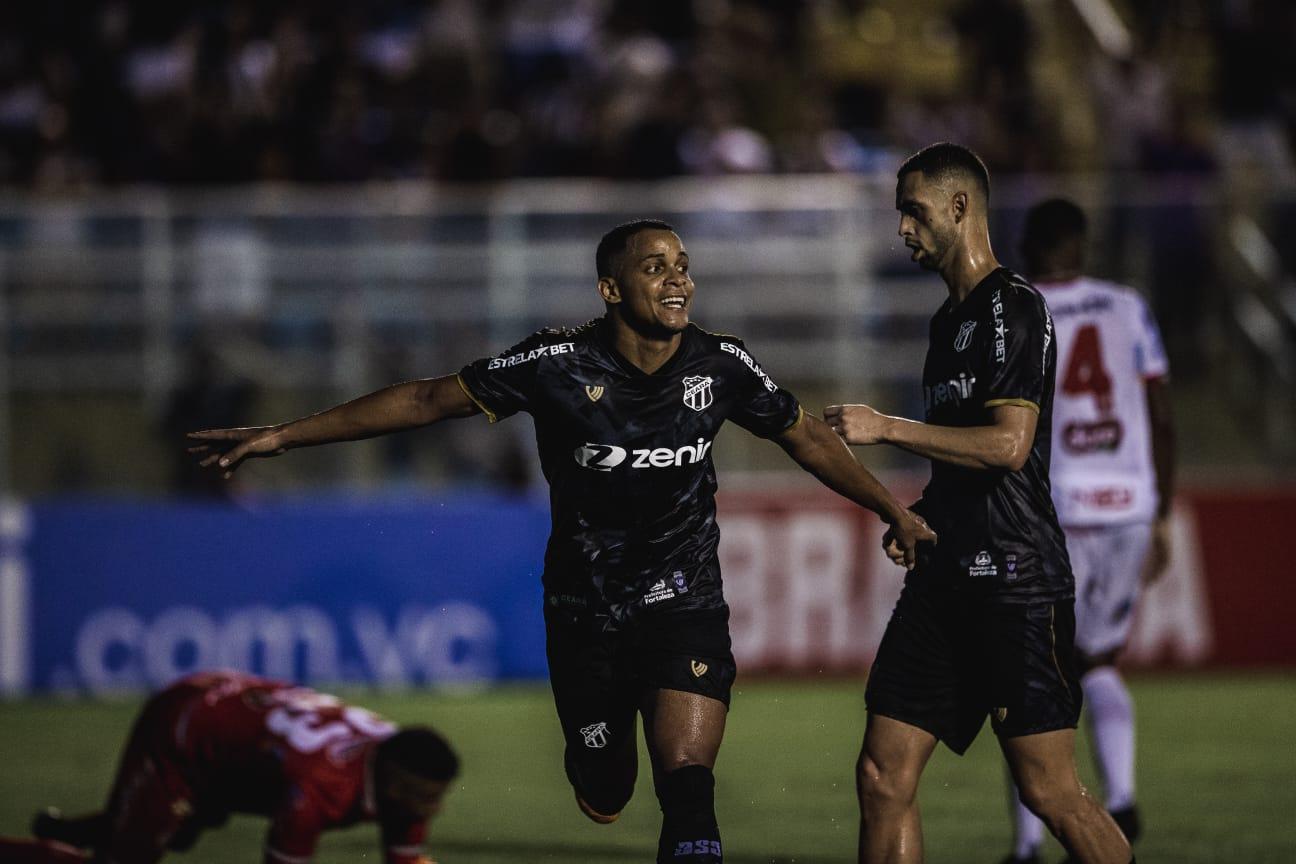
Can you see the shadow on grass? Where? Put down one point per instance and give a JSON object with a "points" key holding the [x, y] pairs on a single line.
{"points": [[561, 853]]}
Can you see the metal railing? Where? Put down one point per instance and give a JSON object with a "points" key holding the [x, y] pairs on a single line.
{"points": [[107, 293]]}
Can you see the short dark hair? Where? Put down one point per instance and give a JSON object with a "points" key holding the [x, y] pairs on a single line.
{"points": [[1049, 224], [420, 751], [614, 242], [942, 160]]}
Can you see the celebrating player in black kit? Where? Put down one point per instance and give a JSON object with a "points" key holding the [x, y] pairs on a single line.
{"points": [[985, 623], [626, 408]]}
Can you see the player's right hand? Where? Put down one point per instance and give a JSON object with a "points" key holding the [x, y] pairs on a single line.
{"points": [[226, 449], [901, 540]]}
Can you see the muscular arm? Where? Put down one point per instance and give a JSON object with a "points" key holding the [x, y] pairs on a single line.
{"points": [[392, 409], [814, 446], [1004, 444]]}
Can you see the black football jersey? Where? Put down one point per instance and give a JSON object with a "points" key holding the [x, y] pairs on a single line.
{"points": [[628, 458], [998, 530]]}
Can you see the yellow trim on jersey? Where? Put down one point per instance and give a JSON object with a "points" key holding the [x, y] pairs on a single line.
{"points": [[490, 415], [1020, 403], [796, 422], [718, 335]]}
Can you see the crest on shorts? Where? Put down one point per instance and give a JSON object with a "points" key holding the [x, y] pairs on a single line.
{"points": [[983, 565], [964, 335], [697, 392], [595, 735], [699, 668], [1000, 715], [594, 393]]}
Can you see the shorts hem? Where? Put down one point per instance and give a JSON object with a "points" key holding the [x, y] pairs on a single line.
{"points": [[1040, 729], [918, 723]]}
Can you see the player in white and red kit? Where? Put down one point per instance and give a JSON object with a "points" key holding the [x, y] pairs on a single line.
{"points": [[218, 743], [1112, 476]]}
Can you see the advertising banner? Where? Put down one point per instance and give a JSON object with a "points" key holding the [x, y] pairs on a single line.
{"points": [[104, 596], [101, 597]]}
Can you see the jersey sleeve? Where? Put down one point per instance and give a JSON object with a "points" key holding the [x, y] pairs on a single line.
{"points": [[1149, 351], [504, 385], [1016, 354], [294, 831], [762, 407], [403, 842]]}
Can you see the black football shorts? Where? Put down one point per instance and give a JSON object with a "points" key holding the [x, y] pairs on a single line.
{"points": [[687, 650], [947, 660], [602, 678]]}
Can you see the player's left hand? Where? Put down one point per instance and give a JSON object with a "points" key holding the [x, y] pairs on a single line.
{"points": [[856, 424], [1158, 555], [901, 540]]}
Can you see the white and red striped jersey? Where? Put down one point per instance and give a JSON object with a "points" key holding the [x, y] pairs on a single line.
{"points": [[1108, 345]]}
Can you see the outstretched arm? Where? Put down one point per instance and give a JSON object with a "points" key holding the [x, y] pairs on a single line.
{"points": [[1005, 443], [400, 406], [812, 444]]}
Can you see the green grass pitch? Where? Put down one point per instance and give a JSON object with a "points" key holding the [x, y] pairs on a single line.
{"points": [[1217, 778]]}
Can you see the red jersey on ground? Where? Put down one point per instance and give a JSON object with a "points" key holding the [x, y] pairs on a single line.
{"points": [[302, 758]]}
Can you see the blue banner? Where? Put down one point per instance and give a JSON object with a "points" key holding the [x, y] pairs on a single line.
{"points": [[110, 596]]}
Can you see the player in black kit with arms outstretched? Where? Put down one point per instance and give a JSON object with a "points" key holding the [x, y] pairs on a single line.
{"points": [[985, 624], [626, 408]]}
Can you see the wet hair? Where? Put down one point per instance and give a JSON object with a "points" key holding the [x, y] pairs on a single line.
{"points": [[421, 752], [944, 160], [613, 245], [1051, 223]]}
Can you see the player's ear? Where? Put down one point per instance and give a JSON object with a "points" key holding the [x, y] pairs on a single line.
{"points": [[609, 290], [960, 204]]}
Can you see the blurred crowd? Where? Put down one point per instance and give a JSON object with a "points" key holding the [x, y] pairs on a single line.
{"points": [[95, 93]]}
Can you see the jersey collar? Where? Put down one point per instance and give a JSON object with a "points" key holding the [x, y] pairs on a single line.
{"points": [[630, 369], [949, 309]]}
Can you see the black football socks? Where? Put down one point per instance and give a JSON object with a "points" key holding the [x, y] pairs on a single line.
{"points": [[689, 832]]}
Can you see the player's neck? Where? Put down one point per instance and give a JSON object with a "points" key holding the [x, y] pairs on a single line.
{"points": [[969, 265], [648, 352]]}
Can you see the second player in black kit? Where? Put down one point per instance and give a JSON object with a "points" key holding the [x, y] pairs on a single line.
{"points": [[626, 411], [985, 623], [999, 580], [999, 532]]}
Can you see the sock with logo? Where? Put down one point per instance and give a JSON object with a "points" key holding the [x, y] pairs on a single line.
{"points": [[1111, 720], [689, 832]]}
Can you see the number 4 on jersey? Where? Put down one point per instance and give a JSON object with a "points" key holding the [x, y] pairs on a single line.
{"points": [[1085, 371]]}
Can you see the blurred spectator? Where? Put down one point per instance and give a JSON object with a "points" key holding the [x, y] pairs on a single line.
{"points": [[208, 395], [998, 41], [236, 91]]}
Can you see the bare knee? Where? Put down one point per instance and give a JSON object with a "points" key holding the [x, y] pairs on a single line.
{"points": [[879, 788], [1051, 800], [673, 761]]}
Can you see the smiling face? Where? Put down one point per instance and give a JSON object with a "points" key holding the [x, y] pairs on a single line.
{"points": [[651, 290], [928, 223]]}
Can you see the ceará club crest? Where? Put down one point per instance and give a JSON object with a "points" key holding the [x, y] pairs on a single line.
{"points": [[964, 335], [697, 392]]}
